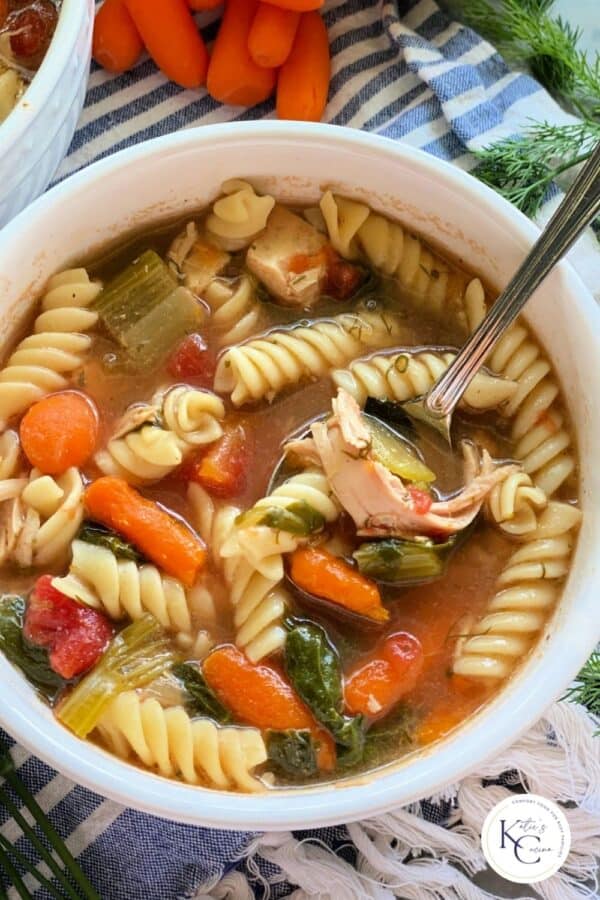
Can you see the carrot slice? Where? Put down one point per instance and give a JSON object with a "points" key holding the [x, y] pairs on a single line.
{"points": [[198, 5], [272, 35], [303, 82], [172, 39], [117, 45], [321, 573], [161, 537], [392, 670], [298, 5], [259, 695], [59, 431], [233, 76]]}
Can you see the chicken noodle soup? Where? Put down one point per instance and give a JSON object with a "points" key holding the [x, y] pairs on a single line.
{"points": [[228, 556], [26, 29]]}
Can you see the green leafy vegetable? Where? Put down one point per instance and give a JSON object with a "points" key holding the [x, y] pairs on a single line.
{"points": [[137, 655], [313, 667], [297, 518], [523, 169], [395, 454], [524, 30], [293, 751], [31, 660], [94, 533], [145, 311], [395, 561], [201, 700], [385, 739], [586, 688]]}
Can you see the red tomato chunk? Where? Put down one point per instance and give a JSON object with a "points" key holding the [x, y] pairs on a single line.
{"points": [[421, 500], [222, 470], [75, 635], [193, 359]]}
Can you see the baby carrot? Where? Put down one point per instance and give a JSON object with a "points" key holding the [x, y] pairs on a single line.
{"points": [[161, 537], [259, 695], [172, 39], [392, 670], [117, 45], [303, 81], [298, 5], [233, 76], [321, 573], [272, 35], [59, 431]]}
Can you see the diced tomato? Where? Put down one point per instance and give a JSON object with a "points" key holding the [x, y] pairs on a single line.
{"points": [[343, 278], [193, 359], [31, 31], [421, 500], [75, 635], [391, 671], [222, 470]]}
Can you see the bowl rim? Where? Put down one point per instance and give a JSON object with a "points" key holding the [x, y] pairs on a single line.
{"points": [[376, 792], [45, 79]]}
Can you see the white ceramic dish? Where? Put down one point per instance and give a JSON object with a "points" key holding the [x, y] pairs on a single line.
{"points": [[183, 172], [37, 133]]}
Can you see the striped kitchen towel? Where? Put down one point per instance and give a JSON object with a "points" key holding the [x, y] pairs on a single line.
{"points": [[408, 73]]}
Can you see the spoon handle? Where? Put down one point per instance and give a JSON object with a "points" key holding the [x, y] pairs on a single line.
{"points": [[578, 208]]}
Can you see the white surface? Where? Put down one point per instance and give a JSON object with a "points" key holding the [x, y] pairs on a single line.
{"points": [[182, 172], [37, 133]]}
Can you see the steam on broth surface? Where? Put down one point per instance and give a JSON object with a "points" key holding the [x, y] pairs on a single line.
{"points": [[226, 555]]}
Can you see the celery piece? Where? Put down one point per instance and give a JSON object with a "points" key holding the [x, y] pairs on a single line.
{"points": [[390, 450], [137, 655], [403, 562], [145, 311], [296, 518]]}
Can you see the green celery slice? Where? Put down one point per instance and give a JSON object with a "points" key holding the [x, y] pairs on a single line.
{"points": [[296, 518], [396, 561], [395, 454]]}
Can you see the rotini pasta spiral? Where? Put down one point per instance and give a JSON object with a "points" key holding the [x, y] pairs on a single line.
{"points": [[148, 453], [285, 357], [405, 375], [39, 524], [514, 504], [541, 442], [237, 313], [11, 86], [43, 360], [357, 232], [528, 588], [197, 750], [123, 589], [239, 216], [10, 453]]}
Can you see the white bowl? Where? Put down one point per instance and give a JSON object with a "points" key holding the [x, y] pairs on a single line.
{"points": [[36, 135], [182, 172]]}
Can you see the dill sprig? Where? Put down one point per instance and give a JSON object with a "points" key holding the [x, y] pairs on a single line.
{"points": [[523, 169], [586, 688], [524, 30]]}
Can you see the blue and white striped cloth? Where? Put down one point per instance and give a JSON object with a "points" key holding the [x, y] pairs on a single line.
{"points": [[409, 74]]}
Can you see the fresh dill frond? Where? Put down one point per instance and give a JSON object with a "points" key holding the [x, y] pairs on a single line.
{"points": [[524, 31], [523, 169], [586, 689]]}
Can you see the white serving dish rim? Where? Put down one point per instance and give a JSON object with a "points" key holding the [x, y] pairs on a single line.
{"points": [[368, 795]]}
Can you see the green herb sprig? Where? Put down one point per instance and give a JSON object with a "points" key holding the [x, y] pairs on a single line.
{"points": [[586, 688]]}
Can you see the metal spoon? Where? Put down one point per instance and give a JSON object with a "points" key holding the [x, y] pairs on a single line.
{"points": [[579, 207]]}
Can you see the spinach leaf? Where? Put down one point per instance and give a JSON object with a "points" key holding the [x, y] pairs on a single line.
{"points": [[200, 698], [94, 533], [32, 660], [384, 739], [293, 751], [313, 667]]}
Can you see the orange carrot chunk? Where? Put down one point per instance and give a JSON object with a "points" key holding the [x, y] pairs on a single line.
{"points": [[198, 5], [117, 45], [172, 39], [298, 5], [303, 81], [259, 695], [161, 537], [321, 573], [59, 431], [376, 684], [272, 35], [233, 76]]}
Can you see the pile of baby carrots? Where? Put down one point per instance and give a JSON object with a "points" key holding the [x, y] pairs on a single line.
{"points": [[262, 47]]}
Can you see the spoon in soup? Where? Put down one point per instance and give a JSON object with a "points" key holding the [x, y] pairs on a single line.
{"points": [[579, 207]]}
